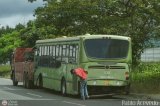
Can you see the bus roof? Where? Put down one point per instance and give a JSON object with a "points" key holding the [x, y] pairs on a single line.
{"points": [[81, 36]]}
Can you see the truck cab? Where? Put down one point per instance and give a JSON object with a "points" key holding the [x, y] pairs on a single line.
{"points": [[22, 66]]}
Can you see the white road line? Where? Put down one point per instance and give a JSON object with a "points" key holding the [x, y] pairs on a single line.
{"points": [[12, 96], [8, 88], [45, 99], [73, 103], [34, 95]]}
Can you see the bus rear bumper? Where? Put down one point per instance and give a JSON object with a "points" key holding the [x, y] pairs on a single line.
{"points": [[93, 90], [108, 86], [107, 82]]}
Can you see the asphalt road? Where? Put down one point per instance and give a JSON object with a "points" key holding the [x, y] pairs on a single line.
{"points": [[19, 96]]}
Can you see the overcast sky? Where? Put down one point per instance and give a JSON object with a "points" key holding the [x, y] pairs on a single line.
{"points": [[13, 12]]}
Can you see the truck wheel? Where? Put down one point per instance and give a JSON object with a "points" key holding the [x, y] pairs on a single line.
{"points": [[29, 83], [12, 74], [40, 82], [24, 80], [15, 83], [63, 87]]}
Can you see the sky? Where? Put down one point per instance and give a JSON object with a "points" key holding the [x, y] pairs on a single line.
{"points": [[13, 12]]}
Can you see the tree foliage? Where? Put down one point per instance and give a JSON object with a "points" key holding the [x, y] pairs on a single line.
{"points": [[7, 43], [138, 19]]}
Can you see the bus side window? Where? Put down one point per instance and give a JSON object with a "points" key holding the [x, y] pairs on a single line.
{"points": [[65, 54], [57, 64], [73, 53], [36, 56], [39, 54], [52, 56], [70, 54], [76, 51], [52, 62], [58, 56], [44, 56]]}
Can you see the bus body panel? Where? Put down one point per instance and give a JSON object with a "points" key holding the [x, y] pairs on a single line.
{"points": [[107, 75], [72, 80], [52, 76]]}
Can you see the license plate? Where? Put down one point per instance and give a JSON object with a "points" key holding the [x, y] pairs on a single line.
{"points": [[106, 82]]}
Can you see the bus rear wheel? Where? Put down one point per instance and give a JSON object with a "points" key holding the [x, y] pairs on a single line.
{"points": [[63, 87], [127, 90]]}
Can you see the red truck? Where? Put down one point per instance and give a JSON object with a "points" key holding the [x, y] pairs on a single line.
{"points": [[22, 67]]}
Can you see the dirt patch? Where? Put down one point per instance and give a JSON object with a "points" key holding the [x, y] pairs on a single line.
{"points": [[149, 88]]}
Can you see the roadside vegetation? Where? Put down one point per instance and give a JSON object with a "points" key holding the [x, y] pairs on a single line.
{"points": [[145, 78], [5, 71]]}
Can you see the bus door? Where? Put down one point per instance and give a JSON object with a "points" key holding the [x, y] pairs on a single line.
{"points": [[72, 64], [56, 64], [73, 79]]}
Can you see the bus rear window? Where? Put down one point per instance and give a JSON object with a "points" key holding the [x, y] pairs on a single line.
{"points": [[106, 48]]}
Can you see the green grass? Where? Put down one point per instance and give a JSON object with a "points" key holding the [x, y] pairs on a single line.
{"points": [[146, 78], [5, 71]]}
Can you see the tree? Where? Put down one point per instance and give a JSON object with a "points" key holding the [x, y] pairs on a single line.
{"points": [[136, 19], [35, 0], [8, 43], [143, 24], [19, 27], [4, 30]]}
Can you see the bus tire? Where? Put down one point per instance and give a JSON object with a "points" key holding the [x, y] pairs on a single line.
{"points": [[15, 83], [63, 87], [127, 90]]}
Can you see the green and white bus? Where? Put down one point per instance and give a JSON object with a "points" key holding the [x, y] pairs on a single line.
{"points": [[106, 58]]}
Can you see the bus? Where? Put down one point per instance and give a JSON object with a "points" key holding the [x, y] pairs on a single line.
{"points": [[106, 58]]}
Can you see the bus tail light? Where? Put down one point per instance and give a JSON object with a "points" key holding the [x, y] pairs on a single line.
{"points": [[127, 75]]}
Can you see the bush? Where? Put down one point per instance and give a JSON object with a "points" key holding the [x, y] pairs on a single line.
{"points": [[146, 77], [5, 70]]}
